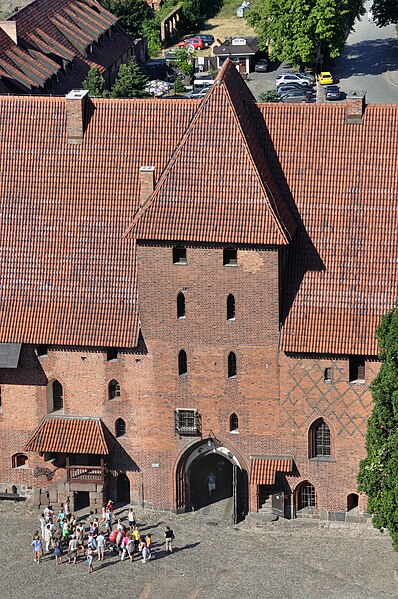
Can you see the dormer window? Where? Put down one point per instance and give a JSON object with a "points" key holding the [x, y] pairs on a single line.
{"points": [[230, 257], [179, 254]]}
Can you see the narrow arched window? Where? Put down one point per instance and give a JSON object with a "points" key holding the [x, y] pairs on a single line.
{"points": [[120, 427], [319, 439], [231, 365], [230, 307], [113, 389], [233, 423], [180, 305], [182, 363], [306, 496], [58, 396], [327, 375]]}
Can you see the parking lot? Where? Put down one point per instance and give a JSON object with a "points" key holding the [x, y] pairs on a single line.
{"points": [[211, 559]]}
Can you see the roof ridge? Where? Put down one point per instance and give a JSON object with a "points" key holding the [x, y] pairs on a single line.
{"points": [[271, 203]]}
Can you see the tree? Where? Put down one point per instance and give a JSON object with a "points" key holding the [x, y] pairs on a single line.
{"points": [[385, 12], [182, 61], [301, 30], [131, 14], [94, 82], [378, 472], [270, 96], [130, 81]]}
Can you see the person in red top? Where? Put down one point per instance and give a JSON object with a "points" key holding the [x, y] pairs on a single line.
{"points": [[110, 505]]}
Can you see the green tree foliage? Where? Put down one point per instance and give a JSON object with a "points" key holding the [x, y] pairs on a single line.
{"points": [[378, 472], [183, 61], [299, 30], [94, 82], [130, 82], [385, 12], [270, 96], [131, 14]]}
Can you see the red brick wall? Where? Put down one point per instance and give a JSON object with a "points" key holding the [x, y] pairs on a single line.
{"points": [[344, 406]]}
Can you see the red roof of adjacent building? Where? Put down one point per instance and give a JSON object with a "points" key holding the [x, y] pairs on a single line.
{"points": [[68, 272], [67, 30]]}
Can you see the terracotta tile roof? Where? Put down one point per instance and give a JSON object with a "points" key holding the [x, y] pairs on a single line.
{"points": [[65, 29], [217, 187], [341, 271], [70, 278], [68, 434], [263, 469]]}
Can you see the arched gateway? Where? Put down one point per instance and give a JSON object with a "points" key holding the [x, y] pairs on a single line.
{"points": [[208, 472]]}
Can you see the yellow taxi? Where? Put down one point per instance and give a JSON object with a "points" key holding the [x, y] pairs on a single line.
{"points": [[325, 78]]}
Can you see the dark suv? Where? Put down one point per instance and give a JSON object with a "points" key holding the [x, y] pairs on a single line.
{"points": [[296, 95], [206, 38]]}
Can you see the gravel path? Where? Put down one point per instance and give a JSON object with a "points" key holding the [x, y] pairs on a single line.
{"points": [[210, 560]]}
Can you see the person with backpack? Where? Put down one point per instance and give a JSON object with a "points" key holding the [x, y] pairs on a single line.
{"points": [[169, 537], [144, 549]]}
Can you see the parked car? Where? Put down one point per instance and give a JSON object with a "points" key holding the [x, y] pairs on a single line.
{"points": [[325, 78], [296, 95], [282, 89], [207, 38], [261, 65], [292, 78], [195, 94], [307, 76], [192, 42], [332, 92]]}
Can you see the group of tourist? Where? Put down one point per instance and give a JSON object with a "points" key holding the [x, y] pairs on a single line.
{"points": [[62, 534]]}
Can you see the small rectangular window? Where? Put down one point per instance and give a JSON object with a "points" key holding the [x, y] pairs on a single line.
{"points": [[187, 422], [357, 369], [230, 257], [327, 375], [41, 351], [111, 354], [179, 254]]}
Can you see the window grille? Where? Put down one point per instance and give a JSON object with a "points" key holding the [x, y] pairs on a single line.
{"points": [[187, 422], [306, 496], [321, 443]]}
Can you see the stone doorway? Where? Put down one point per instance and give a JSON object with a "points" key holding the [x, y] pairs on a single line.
{"points": [[209, 479], [123, 489], [82, 500]]}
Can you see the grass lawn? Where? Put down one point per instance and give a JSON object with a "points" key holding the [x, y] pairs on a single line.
{"points": [[226, 23]]}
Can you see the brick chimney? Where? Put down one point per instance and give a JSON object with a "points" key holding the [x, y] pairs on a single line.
{"points": [[355, 107], [147, 182], [10, 28], [76, 106]]}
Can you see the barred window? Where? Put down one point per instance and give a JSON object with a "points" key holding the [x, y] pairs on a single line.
{"points": [[113, 389], [306, 496], [187, 422], [320, 439]]}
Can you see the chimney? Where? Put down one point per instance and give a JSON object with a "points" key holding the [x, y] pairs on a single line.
{"points": [[76, 107], [147, 182], [355, 107], [10, 28]]}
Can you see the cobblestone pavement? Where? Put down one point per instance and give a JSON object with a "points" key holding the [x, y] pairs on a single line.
{"points": [[210, 561]]}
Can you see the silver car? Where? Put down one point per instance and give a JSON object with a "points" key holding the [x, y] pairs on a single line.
{"points": [[299, 78]]}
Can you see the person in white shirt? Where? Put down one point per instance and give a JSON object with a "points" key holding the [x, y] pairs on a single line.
{"points": [[101, 546]]}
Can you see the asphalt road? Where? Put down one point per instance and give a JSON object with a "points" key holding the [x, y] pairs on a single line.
{"points": [[370, 62]]}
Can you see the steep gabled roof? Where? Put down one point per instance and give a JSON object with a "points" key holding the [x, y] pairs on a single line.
{"points": [[217, 187]]}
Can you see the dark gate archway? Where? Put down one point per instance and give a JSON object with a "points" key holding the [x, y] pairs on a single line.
{"points": [[208, 472], [122, 489]]}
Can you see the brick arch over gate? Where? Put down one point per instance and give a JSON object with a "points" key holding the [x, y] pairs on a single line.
{"points": [[195, 451]]}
